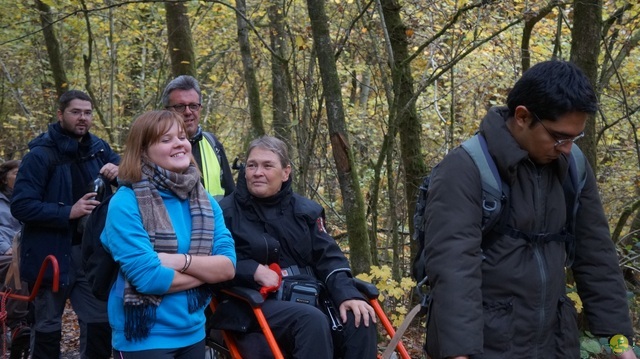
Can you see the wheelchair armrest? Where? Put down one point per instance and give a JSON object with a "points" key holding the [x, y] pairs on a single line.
{"points": [[368, 289], [248, 295]]}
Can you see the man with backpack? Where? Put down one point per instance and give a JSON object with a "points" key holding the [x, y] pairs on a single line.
{"points": [[500, 293], [50, 197]]}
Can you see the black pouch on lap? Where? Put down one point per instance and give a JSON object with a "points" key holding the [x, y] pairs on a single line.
{"points": [[301, 289]]}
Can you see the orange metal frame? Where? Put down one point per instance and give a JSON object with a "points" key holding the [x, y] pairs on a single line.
{"points": [[264, 326], [388, 327], [48, 260], [257, 311], [232, 346]]}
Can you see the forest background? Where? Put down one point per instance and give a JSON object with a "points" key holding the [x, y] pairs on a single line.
{"points": [[369, 94]]}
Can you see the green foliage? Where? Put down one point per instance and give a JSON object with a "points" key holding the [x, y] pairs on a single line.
{"points": [[395, 296], [597, 347], [590, 346]]}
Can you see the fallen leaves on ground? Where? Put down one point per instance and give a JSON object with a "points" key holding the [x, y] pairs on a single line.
{"points": [[70, 344]]}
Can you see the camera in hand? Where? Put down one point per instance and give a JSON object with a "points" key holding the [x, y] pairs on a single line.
{"points": [[97, 185]]}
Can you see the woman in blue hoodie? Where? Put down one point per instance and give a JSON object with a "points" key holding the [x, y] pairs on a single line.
{"points": [[169, 238]]}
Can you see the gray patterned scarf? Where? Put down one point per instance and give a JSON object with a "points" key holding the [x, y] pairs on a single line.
{"points": [[140, 309]]}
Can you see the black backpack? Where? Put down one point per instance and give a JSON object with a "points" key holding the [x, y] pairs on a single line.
{"points": [[99, 267], [495, 196]]}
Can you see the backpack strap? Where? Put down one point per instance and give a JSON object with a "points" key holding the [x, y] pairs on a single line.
{"points": [[419, 224], [577, 177], [572, 186], [493, 195], [419, 217]]}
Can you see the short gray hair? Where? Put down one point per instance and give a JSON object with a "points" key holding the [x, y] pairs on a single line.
{"points": [[182, 82], [274, 145]]}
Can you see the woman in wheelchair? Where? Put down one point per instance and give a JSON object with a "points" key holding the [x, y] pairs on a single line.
{"points": [[168, 236], [280, 236]]}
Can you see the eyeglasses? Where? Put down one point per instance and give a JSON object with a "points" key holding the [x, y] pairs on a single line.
{"points": [[79, 113], [181, 108], [559, 141]]}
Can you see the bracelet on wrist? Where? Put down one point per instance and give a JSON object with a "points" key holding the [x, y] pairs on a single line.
{"points": [[187, 262]]}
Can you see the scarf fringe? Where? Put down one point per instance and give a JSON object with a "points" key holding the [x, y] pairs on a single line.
{"points": [[138, 320], [199, 297]]}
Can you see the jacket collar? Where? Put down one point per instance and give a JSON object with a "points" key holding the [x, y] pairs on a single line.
{"points": [[242, 195], [197, 137], [61, 142], [507, 153]]}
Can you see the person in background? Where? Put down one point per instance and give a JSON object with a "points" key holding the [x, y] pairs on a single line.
{"points": [[9, 226], [273, 225], [17, 310], [504, 295], [169, 238], [50, 197], [183, 95]]}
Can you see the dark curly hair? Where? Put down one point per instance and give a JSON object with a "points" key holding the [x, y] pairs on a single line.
{"points": [[552, 89]]}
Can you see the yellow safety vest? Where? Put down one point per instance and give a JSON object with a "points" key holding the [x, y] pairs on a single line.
{"points": [[210, 168]]}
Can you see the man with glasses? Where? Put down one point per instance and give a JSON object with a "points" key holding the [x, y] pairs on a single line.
{"points": [[183, 95], [49, 198], [503, 296]]}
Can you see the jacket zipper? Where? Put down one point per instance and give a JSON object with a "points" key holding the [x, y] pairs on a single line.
{"points": [[266, 245], [539, 200]]}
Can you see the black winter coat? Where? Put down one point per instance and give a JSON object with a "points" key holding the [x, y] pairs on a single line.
{"points": [[509, 301], [43, 196], [289, 229]]}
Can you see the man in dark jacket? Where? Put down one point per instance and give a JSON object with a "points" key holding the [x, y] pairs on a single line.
{"points": [[507, 299], [50, 197], [183, 95], [272, 224]]}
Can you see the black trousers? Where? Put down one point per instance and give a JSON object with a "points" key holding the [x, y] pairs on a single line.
{"points": [[302, 331], [194, 351]]}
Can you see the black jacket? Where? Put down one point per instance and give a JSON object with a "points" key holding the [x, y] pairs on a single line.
{"points": [[43, 196], [289, 229], [509, 301]]}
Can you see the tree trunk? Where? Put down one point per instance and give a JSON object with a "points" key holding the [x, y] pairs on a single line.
{"points": [[279, 78], [183, 60], [251, 83], [53, 48], [307, 130], [396, 247], [353, 203], [87, 60], [133, 102], [585, 49], [365, 89], [529, 23], [407, 120]]}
